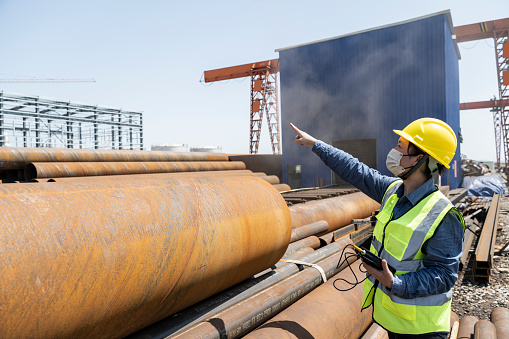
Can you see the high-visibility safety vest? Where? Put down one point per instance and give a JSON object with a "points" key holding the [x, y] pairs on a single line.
{"points": [[400, 242]]}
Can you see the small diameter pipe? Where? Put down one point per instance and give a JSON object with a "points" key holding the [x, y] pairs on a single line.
{"points": [[307, 230], [337, 211], [41, 170], [500, 318], [174, 175], [484, 329], [18, 157], [323, 313], [210, 307], [466, 327], [250, 313], [310, 241]]}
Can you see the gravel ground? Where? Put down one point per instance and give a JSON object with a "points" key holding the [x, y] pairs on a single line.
{"points": [[480, 298]]}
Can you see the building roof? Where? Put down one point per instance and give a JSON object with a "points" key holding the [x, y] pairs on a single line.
{"points": [[446, 12]]}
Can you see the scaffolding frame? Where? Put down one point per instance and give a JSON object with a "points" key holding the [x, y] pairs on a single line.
{"points": [[32, 121]]}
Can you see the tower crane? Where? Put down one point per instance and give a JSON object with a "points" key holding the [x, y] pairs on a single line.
{"points": [[264, 98]]}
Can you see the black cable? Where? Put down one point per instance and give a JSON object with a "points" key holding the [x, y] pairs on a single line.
{"points": [[341, 262]]}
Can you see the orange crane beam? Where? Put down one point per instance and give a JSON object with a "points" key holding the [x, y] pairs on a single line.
{"points": [[480, 30], [241, 71], [482, 104]]}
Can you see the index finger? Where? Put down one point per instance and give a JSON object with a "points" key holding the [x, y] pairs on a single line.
{"points": [[295, 129]]}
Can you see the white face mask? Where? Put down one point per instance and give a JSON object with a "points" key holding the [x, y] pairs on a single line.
{"points": [[393, 162]]}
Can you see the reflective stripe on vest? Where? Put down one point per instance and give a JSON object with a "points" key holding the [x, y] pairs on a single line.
{"points": [[403, 239]]}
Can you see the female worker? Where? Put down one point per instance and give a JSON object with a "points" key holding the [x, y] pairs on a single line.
{"points": [[418, 231]]}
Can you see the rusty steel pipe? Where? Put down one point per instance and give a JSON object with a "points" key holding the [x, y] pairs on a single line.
{"points": [[250, 313], [311, 241], [19, 157], [466, 329], [484, 329], [41, 170], [324, 313], [500, 318], [337, 211], [104, 259], [307, 230], [271, 179], [209, 308], [150, 176]]}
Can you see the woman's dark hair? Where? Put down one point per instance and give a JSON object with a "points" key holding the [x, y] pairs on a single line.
{"points": [[414, 150]]}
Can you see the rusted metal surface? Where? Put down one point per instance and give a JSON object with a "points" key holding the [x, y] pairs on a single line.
{"points": [[307, 230], [311, 241], [271, 179], [500, 318], [40, 170], [19, 157], [466, 328], [486, 244], [338, 211], [248, 314], [375, 331], [175, 175], [323, 313], [484, 329], [212, 306], [104, 259]]}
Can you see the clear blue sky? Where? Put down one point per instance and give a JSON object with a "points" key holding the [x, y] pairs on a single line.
{"points": [[150, 56]]}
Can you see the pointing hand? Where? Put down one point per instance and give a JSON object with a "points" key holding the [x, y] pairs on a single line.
{"points": [[303, 138]]}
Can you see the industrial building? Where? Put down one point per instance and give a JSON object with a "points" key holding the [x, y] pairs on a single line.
{"points": [[352, 91]]}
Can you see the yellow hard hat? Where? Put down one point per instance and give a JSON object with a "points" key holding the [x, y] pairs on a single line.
{"points": [[433, 136]]}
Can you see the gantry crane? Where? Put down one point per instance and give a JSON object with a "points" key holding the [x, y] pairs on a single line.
{"points": [[264, 98], [499, 31]]}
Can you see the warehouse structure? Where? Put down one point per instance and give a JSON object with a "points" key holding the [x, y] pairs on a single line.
{"points": [[352, 91], [31, 121]]}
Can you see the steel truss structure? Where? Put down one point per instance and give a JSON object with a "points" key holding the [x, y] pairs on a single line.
{"points": [[264, 99], [31, 121], [501, 39]]}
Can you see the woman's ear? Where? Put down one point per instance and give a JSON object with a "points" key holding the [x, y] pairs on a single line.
{"points": [[419, 157]]}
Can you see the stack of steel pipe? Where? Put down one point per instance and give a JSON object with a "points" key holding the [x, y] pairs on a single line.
{"points": [[496, 327], [52, 164], [240, 309], [161, 253]]}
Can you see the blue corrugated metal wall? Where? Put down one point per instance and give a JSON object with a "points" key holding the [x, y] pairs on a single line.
{"points": [[365, 85]]}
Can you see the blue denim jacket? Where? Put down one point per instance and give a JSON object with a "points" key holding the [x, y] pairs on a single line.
{"points": [[443, 250]]}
